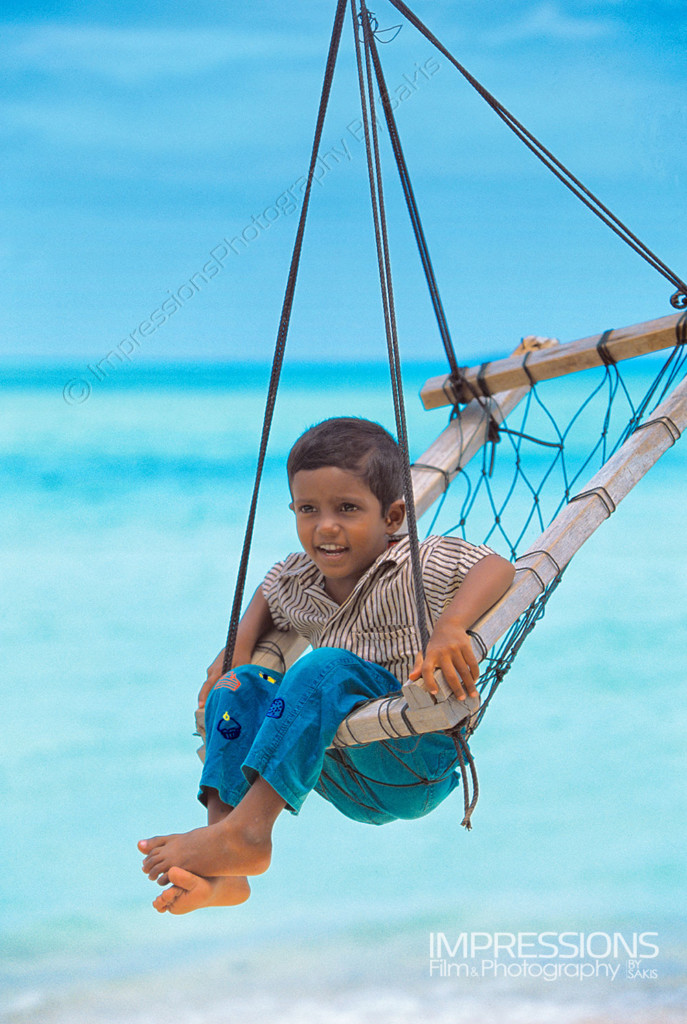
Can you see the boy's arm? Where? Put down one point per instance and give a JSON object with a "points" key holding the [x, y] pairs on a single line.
{"points": [[450, 648], [255, 621]]}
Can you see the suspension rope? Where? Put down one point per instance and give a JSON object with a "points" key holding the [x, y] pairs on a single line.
{"points": [[414, 213], [281, 338], [365, 83], [565, 176]]}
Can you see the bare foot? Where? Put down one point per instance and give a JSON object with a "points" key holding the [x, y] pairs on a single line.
{"points": [[191, 892], [240, 843], [219, 849]]}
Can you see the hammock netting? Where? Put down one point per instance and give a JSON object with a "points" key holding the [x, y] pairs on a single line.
{"points": [[539, 457]]}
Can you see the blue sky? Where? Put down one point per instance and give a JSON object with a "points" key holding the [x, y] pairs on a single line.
{"points": [[139, 139]]}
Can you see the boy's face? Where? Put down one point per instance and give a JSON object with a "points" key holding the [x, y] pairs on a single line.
{"points": [[340, 525]]}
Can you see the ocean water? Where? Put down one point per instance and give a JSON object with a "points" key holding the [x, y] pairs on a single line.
{"points": [[121, 522]]}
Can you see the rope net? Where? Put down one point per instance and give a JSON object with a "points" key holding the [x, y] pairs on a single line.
{"points": [[539, 458]]}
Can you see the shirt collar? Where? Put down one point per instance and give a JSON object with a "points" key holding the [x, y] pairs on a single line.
{"points": [[309, 576]]}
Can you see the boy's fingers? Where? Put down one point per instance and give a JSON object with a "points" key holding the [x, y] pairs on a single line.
{"points": [[460, 675], [424, 669], [473, 663], [453, 679], [470, 687], [213, 673], [467, 667], [429, 667], [420, 670], [469, 675], [460, 669]]}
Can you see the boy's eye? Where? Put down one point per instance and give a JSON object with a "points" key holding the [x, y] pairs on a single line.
{"points": [[348, 506], [305, 508]]}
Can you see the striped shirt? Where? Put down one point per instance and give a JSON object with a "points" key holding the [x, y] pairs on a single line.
{"points": [[378, 620]]}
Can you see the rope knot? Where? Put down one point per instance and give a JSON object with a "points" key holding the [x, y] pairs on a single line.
{"points": [[382, 35]]}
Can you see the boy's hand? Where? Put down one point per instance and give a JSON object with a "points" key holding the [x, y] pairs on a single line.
{"points": [[450, 651], [214, 673]]}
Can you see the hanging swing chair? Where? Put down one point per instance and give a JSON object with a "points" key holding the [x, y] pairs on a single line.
{"points": [[521, 469]]}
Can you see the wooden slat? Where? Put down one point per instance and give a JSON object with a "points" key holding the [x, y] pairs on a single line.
{"points": [[457, 444], [535, 569], [503, 374]]}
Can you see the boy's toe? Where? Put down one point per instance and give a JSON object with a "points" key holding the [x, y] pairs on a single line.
{"points": [[152, 859], [152, 867], [146, 845]]}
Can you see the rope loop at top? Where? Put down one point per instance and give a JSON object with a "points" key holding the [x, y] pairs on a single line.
{"points": [[382, 35]]}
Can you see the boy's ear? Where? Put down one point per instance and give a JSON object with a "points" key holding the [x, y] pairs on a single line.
{"points": [[395, 515], [291, 506]]}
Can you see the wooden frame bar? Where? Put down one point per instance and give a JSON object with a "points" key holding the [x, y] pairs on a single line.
{"points": [[572, 357]]}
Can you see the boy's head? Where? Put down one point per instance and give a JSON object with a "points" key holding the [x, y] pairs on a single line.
{"points": [[345, 477], [357, 446]]}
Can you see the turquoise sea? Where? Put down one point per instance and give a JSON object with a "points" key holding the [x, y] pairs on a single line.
{"points": [[121, 520]]}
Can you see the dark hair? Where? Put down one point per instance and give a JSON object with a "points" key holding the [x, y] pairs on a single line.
{"points": [[356, 445]]}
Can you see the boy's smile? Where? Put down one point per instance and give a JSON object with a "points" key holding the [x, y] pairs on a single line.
{"points": [[340, 525]]}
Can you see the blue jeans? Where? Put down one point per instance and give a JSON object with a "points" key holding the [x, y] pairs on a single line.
{"points": [[261, 723]]}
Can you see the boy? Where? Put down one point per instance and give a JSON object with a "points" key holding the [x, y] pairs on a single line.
{"points": [[350, 593]]}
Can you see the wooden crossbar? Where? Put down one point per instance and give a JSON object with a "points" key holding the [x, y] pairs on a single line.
{"points": [[572, 357]]}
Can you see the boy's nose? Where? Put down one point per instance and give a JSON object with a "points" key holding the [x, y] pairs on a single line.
{"points": [[328, 526]]}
